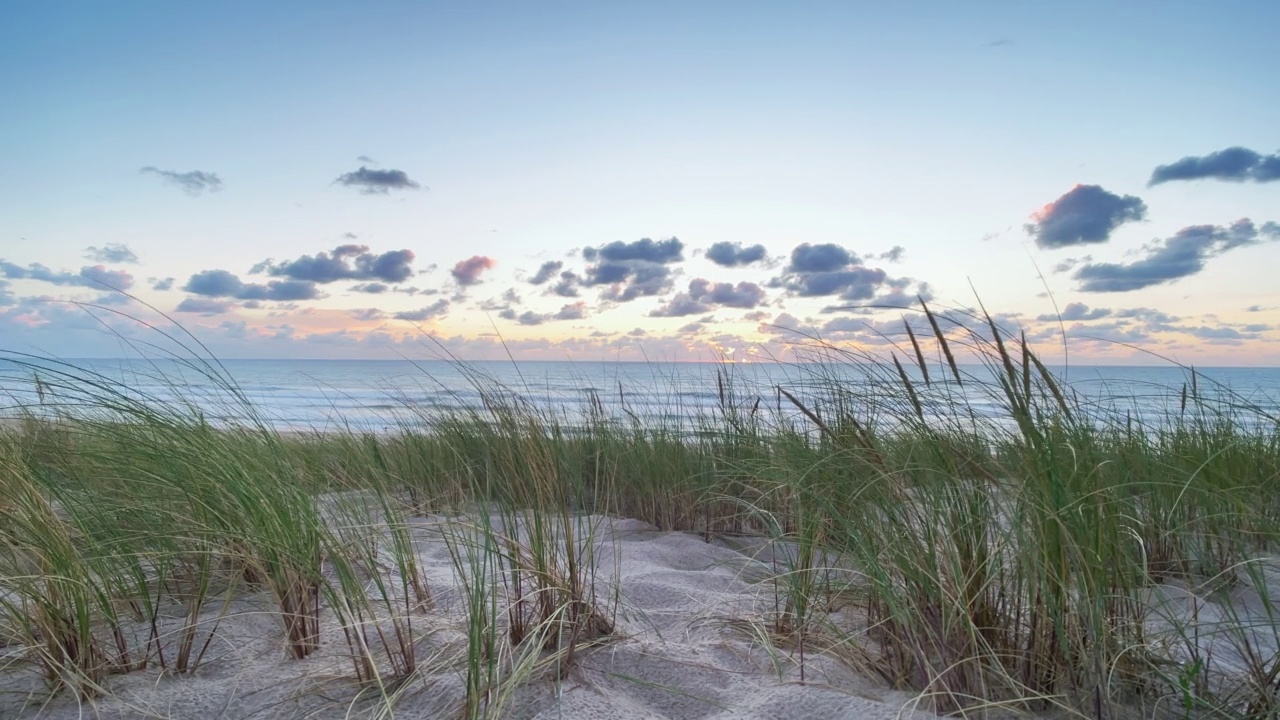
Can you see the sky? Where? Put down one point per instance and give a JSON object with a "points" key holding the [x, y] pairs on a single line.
{"points": [[667, 181]]}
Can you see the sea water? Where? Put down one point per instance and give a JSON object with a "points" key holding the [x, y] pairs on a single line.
{"points": [[378, 395]]}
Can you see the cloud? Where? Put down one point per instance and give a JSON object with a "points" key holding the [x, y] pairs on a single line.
{"points": [[110, 253], [893, 254], [368, 314], [828, 269], [377, 182], [629, 270], [467, 272], [365, 159], [858, 283], [1147, 315], [572, 311], [727, 254], [547, 271], [786, 324], [665, 251], [192, 183], [94, 276], [204, 306], [220, 283], [692, 328], [345, 262], [6, 295], [704, 296], [530, 317], [1174, 258], [826, 257], [373, 288], [1235, 164], [161, 284], [1085, 214], [99, 276], [1075, 312], [568, 285], [434, 310]]}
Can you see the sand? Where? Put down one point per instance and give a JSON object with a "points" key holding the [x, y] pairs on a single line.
{"points": [[681, 651]]}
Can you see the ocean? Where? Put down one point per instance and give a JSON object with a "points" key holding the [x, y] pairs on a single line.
{"points": [[379, 395]]}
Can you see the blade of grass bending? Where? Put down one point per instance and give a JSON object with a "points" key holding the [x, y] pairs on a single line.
{"points": [[911, 391], [942, 341], [915, 345]]}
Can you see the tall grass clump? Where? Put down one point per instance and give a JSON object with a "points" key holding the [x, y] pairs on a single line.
{"points": [[1008, 537]]}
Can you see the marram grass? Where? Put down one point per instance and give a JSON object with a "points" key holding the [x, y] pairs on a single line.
{"points": [[982, 561]]}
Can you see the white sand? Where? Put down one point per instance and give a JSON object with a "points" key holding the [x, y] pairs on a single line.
{"points": [[675, 655]]}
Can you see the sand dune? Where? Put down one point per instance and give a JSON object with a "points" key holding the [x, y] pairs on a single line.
{"points": [[681, 651]]}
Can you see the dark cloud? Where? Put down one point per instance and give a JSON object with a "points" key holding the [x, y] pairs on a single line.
{"points": [[94, 276], [434, 310], [1075, 312], [828, 269], [6, 295], [645, 249], [110, 253], [204, 306], [373, 288], [192, 183], [568, 285], [704, 296], [161, 284], [826, 257], [547, 271], [1085, 214], [377, 182], [858, 283], [1176, 257], [345, 262], [692, 328], [627, 270], [727, 254], [467, 272], [530, 317], [1235, 164], [365, 159], [220, 283], [901, 294]]}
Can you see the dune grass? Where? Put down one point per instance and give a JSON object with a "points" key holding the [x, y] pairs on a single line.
{"points": [[985, 560]]}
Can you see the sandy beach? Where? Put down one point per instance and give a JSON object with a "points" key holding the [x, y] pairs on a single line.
{"points": [[683, 648]]}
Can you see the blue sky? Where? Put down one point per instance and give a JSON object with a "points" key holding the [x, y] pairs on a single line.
{"points": [[569, 132]]}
